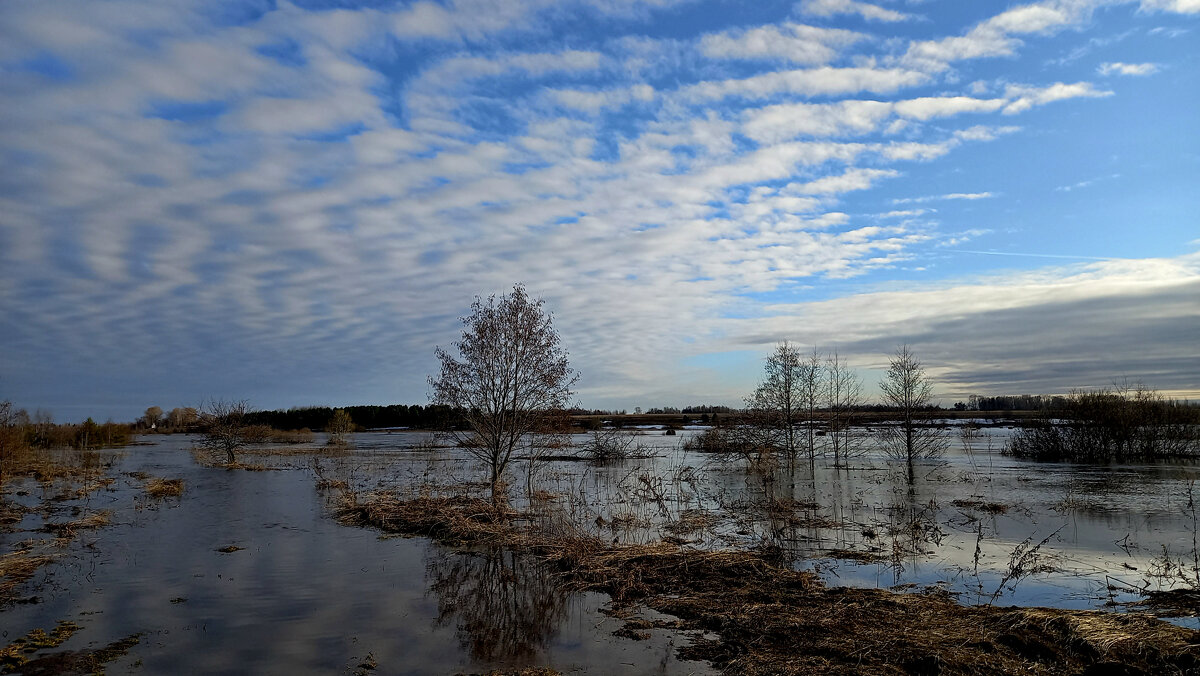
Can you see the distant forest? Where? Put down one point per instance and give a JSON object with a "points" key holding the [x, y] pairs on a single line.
{"points": [[431, 416]]}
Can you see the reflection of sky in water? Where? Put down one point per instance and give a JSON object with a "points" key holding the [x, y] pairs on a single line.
{"points": [[1107, 525], [305, 595]]}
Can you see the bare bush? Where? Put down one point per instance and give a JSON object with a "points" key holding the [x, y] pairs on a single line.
{"points": [[226, 430]]}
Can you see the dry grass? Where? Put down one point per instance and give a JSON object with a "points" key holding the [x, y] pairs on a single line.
{"points": [[17, 567], [771, 619], [16, 655], [70, 529], [164, 488]]}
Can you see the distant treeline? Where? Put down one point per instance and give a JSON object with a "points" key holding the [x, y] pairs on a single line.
{"points": [[364, 417]]}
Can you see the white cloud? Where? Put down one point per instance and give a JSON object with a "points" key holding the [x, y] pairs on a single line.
{"points": [[1119, 68], [1180, 6], [1024, 97], [822, 81], [944, 106], [794, 43], [950, 196], [864, 9]]}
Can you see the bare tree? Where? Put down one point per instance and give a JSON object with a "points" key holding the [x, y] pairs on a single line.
{"points": [[907, 389], [812, 382], [511, 374], [338, 427], [843, 398], [776, 403], [226, 429]]}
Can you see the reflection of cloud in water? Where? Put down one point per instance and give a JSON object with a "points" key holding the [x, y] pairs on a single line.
{"points": [[504, 606]]}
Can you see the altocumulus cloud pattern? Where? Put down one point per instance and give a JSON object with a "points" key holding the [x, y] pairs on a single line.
{"points": [[293, 202]]}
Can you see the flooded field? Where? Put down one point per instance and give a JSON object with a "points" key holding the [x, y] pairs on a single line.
{"points": [[249, 571]]}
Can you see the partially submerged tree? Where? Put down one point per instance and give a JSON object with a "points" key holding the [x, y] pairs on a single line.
{"points": [[776, 405], [338, 427], [843, 398], [909, 391], [509, 376], [226, 428]]}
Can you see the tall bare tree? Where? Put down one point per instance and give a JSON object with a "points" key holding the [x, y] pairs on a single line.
{"points": [[777, 400], [510, 375], [843, 398], [812, 383], [907, 389]]}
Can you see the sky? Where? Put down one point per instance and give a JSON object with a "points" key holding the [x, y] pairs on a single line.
{"points": [[295, 203]]}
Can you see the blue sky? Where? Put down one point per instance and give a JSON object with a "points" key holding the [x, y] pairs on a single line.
{"points": [[293, 202]]}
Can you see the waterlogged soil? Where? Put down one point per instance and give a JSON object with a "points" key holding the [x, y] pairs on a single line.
{"points": [[231, 570]]}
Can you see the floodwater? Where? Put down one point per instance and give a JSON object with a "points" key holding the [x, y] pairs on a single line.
{"points": [[306, 594]]}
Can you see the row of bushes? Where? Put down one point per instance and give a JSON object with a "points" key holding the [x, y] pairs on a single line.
{"points": [[1127, 423]]}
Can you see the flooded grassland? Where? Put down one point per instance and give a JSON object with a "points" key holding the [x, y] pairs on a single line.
{"points": [[390, 557]]}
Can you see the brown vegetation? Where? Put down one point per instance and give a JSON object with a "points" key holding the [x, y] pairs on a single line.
{"points": [[163, 488], [770, 619]]}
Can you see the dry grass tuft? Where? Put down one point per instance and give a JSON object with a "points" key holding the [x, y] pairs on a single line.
{"points": [[163, 488], [17, 567]]}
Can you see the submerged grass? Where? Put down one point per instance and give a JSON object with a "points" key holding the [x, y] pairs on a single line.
{"points": [[770, 619]]}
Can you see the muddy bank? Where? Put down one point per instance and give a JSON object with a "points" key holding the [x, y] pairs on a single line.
{"points": [[760, 617]]}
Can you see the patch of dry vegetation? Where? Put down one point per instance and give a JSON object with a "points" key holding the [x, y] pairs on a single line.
{"points": [[18, 566], [70, 529], [158, 487], [770, 619], [16, 656]]}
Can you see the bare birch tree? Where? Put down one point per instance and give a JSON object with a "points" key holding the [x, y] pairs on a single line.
{"points": [[509, 376], [843, 398], [777, 400], [907, 389], [812, 383]]}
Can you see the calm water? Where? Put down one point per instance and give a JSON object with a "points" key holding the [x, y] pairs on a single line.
{"points": [[305, 594], [309, 595]]}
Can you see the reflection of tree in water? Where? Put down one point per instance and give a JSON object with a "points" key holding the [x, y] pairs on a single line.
{"points": [[505, 606]]}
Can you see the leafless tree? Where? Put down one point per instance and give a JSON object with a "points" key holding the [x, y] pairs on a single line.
{"points": [[509, 378], [226, 429], [182, 418], [812, 383], [907, 389], [338, 427], [843, 398], [776, 402]]}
